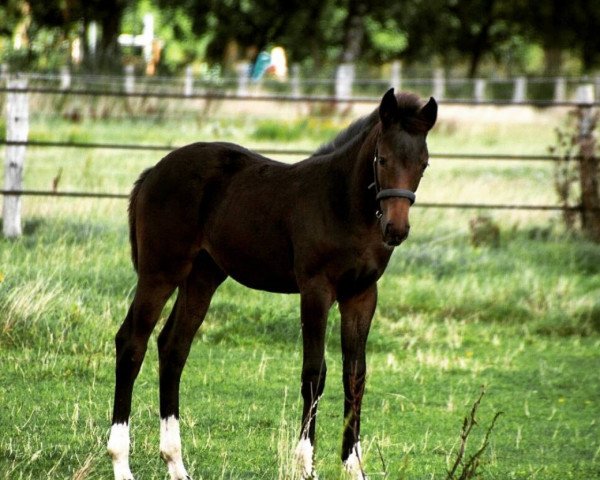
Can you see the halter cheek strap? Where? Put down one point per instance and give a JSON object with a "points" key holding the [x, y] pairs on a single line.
{"points": [[382, 194]]}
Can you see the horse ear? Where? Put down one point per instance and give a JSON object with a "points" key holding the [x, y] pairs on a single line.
{"points": [[428, 113], [388, 108]]}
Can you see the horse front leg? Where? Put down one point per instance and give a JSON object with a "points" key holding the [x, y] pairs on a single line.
{"points": [[314, 305], [357, 313]]}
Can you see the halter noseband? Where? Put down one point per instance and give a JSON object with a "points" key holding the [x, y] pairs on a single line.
{"points": [[387, 192]]}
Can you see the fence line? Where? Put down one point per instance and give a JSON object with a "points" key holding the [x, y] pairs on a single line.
{"points": [[12, 192], [463, 206], [290, 98], [272, 151], [343, 80]]}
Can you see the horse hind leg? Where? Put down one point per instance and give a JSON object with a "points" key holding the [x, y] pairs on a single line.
{"points": [[174, 343], [131, 342]]}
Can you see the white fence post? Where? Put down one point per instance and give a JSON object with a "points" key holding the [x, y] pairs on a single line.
{"points": [[243, 78], [344, 78], [3, 73], [188, 84], [520, 91], [439, 84], [585, 94], [396, 76], [295, 81], [560, 89], [65, 78], [480, 85], [129, 79], [17, 129]]}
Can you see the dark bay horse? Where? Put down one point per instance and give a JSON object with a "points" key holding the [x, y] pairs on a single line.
{"points": [[324, 227]]}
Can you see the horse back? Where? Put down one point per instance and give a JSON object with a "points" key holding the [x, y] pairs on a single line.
{"points": [[175, 205]]}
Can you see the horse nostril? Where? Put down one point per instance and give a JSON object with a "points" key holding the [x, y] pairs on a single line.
{"points": [[395, 236]]}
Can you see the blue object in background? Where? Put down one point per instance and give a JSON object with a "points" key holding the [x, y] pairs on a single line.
{"points": [[262, 62]]}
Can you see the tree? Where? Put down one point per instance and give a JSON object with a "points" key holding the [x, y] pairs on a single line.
{"points": [[561, 26], [454, 30], [68, 19], [354, 30]]}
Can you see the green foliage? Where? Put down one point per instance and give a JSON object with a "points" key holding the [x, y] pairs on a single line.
{"points": [[317, 130], [468, 36], [386, 38]]}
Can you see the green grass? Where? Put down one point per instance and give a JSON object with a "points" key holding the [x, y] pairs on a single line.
{"points": [[523, 319]]}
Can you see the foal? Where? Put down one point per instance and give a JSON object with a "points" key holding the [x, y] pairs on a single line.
{"points": [[324, 227]]}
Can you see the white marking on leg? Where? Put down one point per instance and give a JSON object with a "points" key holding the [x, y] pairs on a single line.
{"points": [[304, 458], [170, 448], [353, 464], [118, 449]]}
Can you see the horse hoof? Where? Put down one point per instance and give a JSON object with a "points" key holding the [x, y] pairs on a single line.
{"points": [[353, 464], [304, 460]]}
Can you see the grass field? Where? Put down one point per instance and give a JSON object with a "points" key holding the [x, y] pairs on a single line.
{"points": [[521, 318]]}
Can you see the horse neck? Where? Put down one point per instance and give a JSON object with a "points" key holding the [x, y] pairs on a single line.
{"points": [[357, 165]]}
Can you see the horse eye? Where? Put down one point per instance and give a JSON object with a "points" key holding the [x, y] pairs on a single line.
{"points": [[382, 161]]}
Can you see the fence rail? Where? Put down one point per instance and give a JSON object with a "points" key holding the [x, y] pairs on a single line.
{"points": [[272, 151], [344, 81], [222, 96], [17, 143], [466, 206]]}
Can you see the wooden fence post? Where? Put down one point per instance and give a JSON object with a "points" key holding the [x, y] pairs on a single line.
{"points": [[344, 78], [188, 83], [396, 76], [243, 78], [17, 129], [520, 90], [589, 171], [479, 90], [129, 79], [3, 73], [560, 89], [439, 84], [295, 81], [65, 78]]}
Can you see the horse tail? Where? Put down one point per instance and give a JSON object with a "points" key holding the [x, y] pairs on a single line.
{"points": [[132, 207]]}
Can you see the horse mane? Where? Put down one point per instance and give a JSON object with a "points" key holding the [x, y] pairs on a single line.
{"points": [[354, 130], [409, 105]]}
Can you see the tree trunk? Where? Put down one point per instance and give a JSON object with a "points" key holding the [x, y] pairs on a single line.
{"points": [[480, 46], [552, 60], [354, 31], [109, 54]]}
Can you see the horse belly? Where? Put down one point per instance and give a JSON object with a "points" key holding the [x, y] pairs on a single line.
{"points": [[267, 283], [255, 264]]}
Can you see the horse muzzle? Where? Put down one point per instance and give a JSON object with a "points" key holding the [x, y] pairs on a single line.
{"points": [[394, 235], [394, 217]]}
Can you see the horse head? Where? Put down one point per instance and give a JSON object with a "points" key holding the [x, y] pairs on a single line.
{"points": [[401, 158]]}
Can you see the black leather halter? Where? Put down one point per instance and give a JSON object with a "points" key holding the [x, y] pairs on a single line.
{"points": [[387, 192]]}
